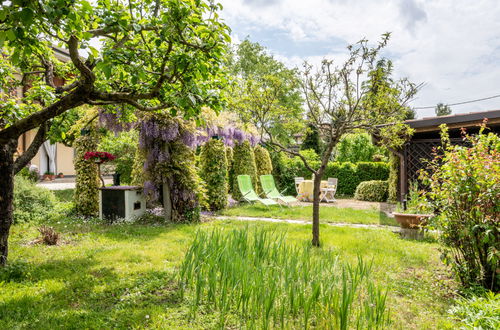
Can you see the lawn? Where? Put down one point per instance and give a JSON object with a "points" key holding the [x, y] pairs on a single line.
{"points": [[124, 276], [327, 214]]}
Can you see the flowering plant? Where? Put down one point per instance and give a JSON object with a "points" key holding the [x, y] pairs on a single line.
{"points": [[99, 156]]}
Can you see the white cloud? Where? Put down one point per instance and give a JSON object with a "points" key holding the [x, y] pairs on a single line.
{"points": [[451, 45]]}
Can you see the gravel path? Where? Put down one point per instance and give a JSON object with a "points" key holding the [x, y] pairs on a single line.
{"points": [[65, 183]]}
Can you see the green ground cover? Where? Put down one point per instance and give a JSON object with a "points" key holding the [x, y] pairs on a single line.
{"points": [[125, 275], [327, 214]]}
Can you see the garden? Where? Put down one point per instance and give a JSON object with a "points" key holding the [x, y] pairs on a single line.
{"points": [[245, 194]]}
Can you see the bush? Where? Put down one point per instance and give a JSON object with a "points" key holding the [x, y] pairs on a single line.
{"points": [[481, 312], [32, 203], [367, 171], [465, 188], [372, 191], [243, 163], [33, 176], [230, 174], [123, 146], [263, 163], [213, 165]]}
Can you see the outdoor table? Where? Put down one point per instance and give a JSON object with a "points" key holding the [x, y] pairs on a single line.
{"points": [[306, 188]]}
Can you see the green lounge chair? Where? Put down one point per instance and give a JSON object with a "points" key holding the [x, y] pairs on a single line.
{"points": [[247, 192], [271, 192]]}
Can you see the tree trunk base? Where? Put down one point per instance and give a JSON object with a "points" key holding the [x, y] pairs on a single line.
{"points": [[6, 196]]}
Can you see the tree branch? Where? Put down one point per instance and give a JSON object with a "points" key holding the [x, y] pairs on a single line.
{"points": [[28, 155]]}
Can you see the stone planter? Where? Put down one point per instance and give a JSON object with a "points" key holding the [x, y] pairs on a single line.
{"points": [[412, 225]]}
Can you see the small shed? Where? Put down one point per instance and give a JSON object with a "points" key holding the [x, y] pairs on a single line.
{"points": [[414, 153]]}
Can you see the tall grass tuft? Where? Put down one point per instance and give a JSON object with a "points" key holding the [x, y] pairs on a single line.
{"points": [[254, 278]]}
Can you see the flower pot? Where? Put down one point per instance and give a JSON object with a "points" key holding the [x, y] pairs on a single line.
{"points": [[411, 221]]}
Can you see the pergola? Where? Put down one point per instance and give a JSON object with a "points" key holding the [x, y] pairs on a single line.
{"points": [[418, 149]]}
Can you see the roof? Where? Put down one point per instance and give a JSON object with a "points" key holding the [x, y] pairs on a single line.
{"points": [[454, 121]]}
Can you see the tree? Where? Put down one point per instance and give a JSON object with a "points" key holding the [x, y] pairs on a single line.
{"points": [[155, 56], [442, 109], [340, 100], [265, 91], [312, 140]]}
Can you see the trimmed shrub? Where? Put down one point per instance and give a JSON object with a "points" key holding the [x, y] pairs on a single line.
{"points": [[283, 178], [243, 163], [263, 163], [372, 191], [230, 176], [87, 180], [213, 165], [393, 179], [31, 203]]}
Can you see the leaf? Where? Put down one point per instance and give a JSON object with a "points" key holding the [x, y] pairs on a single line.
{"points": [[26, 16], [2, 38], [11, 35]]}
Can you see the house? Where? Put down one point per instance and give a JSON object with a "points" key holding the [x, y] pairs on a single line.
{"points": [[418, 149], [55, 158]]}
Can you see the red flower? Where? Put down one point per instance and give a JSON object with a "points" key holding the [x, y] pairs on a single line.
{"points": [[99, 156]]}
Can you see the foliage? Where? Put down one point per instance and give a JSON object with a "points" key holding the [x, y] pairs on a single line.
{"points": [[393, 179], [28, 174], [263, 279], [243, 163], [372, 191], [32, 203], [262, 162], [356, 147], [87, 180], [124, 146], [465, 188], [442, 109], [417, 201], [167, 144], [478, 312], [312, 140], [265, 90], [214, 173]]}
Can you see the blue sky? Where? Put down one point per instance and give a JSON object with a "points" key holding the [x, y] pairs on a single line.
{"points": [[453, 46]]}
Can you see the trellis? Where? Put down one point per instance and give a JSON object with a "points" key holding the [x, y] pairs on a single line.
{"points": [[418, 152]]}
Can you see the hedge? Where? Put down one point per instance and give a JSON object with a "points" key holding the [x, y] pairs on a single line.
{"points": [[372, 191], [350, 175]]}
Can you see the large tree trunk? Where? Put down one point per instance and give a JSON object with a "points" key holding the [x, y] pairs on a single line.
{"points": [[6, 196], [316, 196]]}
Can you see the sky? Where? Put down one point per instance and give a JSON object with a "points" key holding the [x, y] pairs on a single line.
{"points": [[453, 46]]}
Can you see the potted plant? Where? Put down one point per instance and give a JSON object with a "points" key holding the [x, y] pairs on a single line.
{"points": [[60, 175], [415, 213]]}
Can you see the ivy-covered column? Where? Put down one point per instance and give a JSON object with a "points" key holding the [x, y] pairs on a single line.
{"points": [[87, 180], [243, 163]]}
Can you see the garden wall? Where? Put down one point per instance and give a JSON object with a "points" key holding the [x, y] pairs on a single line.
{"points": [[349, 174]]}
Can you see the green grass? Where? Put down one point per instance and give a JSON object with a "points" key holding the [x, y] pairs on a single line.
{"points": [[327, 214], [64, 195], [125, 276]]}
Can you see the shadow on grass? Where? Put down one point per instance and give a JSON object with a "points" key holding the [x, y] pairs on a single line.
{"points": [[77, 293]]}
